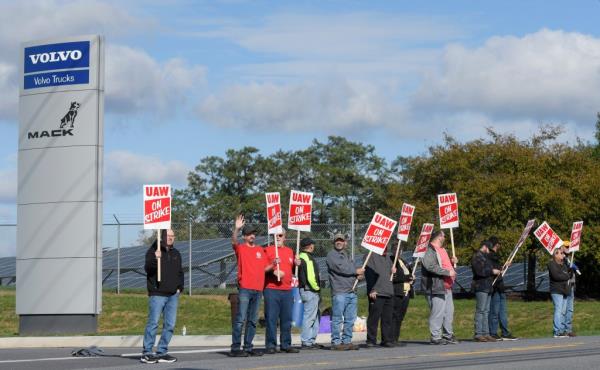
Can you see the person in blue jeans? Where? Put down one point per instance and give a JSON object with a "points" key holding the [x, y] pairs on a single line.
{"points": [[308, 282], [163, 297], [342, 274], [571, 297], [483, 275], [498, 309], [560, 274]]}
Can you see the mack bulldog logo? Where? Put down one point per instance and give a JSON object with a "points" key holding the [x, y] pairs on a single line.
{"points": [[67, 120]]}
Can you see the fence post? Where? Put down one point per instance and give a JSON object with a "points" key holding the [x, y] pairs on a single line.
{"points": [[190, 257], [118, 254], [352, 232]]}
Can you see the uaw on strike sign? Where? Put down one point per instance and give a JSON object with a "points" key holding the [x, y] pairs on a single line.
{"points": [[549, 239], [576, 236], [379, 233], [406, 218], [274, 213], [423, 242], [157, 206], [299, 216], [448, 210]]}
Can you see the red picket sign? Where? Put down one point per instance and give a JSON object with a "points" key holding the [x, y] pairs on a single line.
{"points": [[274, 213], [157, 207], [406, 217], [448, 210], [299, 216], [379, 233], [576, 236], [423, 241], [549, 239]]}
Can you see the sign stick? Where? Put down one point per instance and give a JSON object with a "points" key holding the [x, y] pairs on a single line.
{"points": [[415, 266], [395, 259], [297, 250], [452, 242], [505, 266], [363, 266], [158, 248], [277, 257]]}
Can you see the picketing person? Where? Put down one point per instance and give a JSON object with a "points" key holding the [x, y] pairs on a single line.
{"points": [[163, 296], [437, 279], [402, 281], [380, 291], [559, 274], [483, 275], [498, 315], [571, 297], [344, 301], [310, 292]]}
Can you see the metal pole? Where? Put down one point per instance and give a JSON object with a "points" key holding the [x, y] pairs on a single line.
{"points": [[352, 232], [190, 258], [118, 254]]}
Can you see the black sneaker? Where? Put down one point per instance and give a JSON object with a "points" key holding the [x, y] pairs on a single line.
{"points": [[149, 359], [238, 353], [451, 339], [509, 337], [497, 337], [270, 351], [437, 342], [388, 344], [253, 353], [290, 350], [370, 344], [166, 358]]}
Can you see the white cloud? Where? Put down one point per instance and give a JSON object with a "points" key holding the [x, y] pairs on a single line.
{"points": [[137, 83], [547, 75], [9, 91], [329, 106], [126, 172]]}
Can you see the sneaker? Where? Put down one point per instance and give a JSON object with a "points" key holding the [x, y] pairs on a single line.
{"points": [[497, 337], [509, 337], [370, 344], [290, 350], [307, 347], [352, 347], [437, 342], [490, 338], [451, 339], [339, 347], [238, 353], [561, 335], [270, 351], [149, 359], [388, 344], [480, 338], [253, 353], [166, 358], [571, 334]]}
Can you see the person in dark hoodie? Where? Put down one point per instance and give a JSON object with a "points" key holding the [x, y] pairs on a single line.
{"points": [[402, 281], [483, 275], [560, 274], [381, 305], [498, 312], [163, 296], [310, 291]]}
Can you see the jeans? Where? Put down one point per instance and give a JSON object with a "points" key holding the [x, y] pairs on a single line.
{"points": [[560, 313], [278, 307], [498, 314], [482, 310], [380, 310], [400, 307], [168, 307], [569, 315], [343, 309], [441, 316], [310, 320], [249, 301]]}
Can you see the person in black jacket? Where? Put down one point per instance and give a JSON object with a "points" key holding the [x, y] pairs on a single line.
{"points": [[498, 311], [402, 281], [380, 290], [163, 296], [483, 274], [560, 289]]}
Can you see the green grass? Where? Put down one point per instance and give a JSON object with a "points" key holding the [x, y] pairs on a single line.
{"points": [[205, 313]]}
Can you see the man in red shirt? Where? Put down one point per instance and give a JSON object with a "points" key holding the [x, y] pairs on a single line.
{"points": [[252, 264], [279, 300]]}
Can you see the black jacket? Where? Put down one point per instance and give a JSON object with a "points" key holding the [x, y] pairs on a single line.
{"points": [[400, 278], [559, 277], [496, 264], [377, 275], [171, 271], [303, 274], [482, 273]]}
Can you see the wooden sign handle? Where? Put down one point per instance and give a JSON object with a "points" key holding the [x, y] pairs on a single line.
{"points": [[415, 267], [395, 259], [363, 266], [158, 259], [277, 256], [297, 251], [452, 242]]}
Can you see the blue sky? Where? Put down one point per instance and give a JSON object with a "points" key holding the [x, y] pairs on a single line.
{"points": [[201, 77]]}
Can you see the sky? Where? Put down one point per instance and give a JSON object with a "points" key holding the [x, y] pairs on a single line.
{"points": [[190, 79]]}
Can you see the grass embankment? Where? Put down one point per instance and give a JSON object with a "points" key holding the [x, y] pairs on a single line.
{"points": [[125, 314]]}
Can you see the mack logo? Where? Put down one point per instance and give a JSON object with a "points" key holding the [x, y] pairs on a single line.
{"points": [[67, 120], [56, 56]]}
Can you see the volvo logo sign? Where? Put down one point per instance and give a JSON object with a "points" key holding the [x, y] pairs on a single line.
{"points": [[61, 64], [60, 56]]}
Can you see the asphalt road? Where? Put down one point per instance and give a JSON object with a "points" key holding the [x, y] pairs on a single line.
{"points": [[571, 353]]}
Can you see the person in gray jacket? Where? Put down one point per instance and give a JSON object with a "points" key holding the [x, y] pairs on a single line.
{"points": [[437, 278], [381, 292], [344, 302]]}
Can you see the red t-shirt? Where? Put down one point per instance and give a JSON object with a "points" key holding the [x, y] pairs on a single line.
{"points": [[286, 264], [251, 266]]}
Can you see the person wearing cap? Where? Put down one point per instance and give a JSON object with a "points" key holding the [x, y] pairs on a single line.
{"points": [[483, 275], [308, 282], [437, 278], [342, 274], [279, 300], [571, 297], [498, 307], [252, 265], [402, 280], [559, 274], [380, 291]]}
